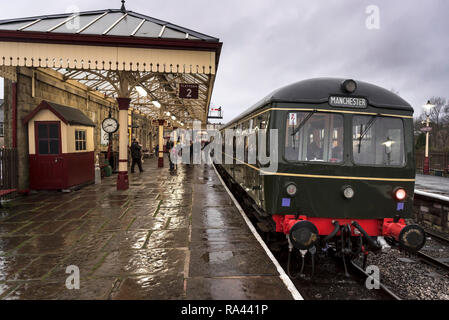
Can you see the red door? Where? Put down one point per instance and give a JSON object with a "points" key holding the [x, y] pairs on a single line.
{"points": [[49, 169]]}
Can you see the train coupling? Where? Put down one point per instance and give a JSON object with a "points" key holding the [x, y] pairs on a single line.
{"points": [[410, 237]]}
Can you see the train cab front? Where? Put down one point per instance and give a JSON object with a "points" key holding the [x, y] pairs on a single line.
{"points": [[305, 232], [354, 224]]}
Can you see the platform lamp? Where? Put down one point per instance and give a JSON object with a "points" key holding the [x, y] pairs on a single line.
{"points": [[427, 109]]}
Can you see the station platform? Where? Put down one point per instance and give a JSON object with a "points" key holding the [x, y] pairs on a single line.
{"points": [[432, 184], [170, 236]]}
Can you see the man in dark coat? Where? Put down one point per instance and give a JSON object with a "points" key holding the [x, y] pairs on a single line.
{"points": [[136, 154], [314, 151], [169, 146]]}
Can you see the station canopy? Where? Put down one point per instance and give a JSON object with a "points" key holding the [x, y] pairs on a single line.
{"points": [[119, 53]]}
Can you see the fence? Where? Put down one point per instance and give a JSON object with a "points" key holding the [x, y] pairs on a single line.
{"points": [[439, 161], [8, 170]]}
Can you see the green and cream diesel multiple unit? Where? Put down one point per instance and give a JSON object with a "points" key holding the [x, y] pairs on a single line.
{"points": [[345, 170]]}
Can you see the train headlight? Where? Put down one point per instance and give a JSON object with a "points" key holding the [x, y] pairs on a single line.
{"points": [[349, 85], [348, 192], [291, 189], [400, 194]]}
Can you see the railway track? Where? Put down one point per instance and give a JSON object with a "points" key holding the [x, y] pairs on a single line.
{"points": [[385, 289], [437, 237], [425, 254], [330, 283], [435, 261]]}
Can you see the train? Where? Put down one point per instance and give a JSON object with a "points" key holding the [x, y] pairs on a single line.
{"points": [[345, 172]]}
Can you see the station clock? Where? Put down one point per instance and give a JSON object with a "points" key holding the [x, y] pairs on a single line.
{"points": [[110, 125]]}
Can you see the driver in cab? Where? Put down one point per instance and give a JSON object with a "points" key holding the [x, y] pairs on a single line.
{"points": [[314, 150]]}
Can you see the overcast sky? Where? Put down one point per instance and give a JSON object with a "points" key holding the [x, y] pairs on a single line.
{"points": [[268, 44]]}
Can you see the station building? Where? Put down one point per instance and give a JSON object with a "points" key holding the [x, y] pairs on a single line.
{"points": [[150, 75]]}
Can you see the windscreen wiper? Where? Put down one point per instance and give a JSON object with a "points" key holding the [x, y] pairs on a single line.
{"points": [[303, 122], [368, 126]]}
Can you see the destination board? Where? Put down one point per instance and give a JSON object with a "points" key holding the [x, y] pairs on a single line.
{"points": [[348, 102]]}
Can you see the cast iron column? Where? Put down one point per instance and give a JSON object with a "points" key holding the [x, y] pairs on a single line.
{"points": [[122, 179], [14, 115], [160, 162], [175, 136]]}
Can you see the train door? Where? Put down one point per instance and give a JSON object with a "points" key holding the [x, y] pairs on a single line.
{"points": [[234, 155], [250, 158], [261, 127], [245, 168], [239, 166]]}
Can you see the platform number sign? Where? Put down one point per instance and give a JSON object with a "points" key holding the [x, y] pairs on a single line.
{"points": [[292, 119], [188, 91]]}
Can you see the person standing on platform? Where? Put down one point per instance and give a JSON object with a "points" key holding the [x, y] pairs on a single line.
{"points": [[136, 154], [169, 147], [191, 152], [174, 153]]}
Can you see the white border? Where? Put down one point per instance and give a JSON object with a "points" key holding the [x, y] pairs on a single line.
{"points": [[287, 281], [432, 195]]}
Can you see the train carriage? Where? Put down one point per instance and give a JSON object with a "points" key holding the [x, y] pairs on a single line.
{"points": [[345, 165]]}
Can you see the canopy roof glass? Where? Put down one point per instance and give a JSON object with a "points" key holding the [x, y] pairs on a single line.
{"points": [[112, 22], [100, 48]]}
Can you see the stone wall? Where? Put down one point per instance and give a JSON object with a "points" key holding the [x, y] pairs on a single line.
{"points": [[431, 213], [49, 85]]}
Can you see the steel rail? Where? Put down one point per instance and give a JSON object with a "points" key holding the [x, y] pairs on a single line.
{"points": [[437, 237], [429, 259], [435, 262], [383, 287]]}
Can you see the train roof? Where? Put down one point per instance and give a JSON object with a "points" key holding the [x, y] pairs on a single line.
{"points": [[318, 90]]}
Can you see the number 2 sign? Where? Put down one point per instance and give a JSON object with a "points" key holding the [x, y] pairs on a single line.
{"points": [[188, 91]]}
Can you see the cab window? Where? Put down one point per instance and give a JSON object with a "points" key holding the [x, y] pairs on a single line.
{"points": [[314, 137], [378, 141]]}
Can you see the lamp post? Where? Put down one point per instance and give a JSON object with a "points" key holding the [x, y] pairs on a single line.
{"points": [[427, 108]]}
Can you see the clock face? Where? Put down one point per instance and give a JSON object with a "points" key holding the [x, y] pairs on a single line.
{"points": [[110, 125]]}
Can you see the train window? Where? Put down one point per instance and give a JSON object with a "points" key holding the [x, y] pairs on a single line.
{"points": [[262, 123], [314, 137], [378, 141], [245, 131]]}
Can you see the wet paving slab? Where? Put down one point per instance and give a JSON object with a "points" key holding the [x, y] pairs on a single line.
{"points": [[170, 236], [237, 288]]}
